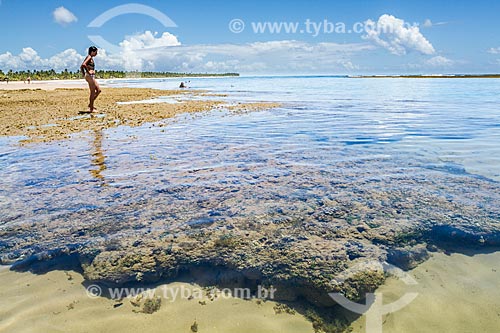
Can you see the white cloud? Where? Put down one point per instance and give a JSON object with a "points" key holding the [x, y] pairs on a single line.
{"points": [[63, 16], [29, 55], [273, 56], [163, 52], [427, 23], [494, 50], [397, 36], [29, 59], [26, 59], [69, 59], [439, 61], [150, 51], [436, 63], [148, 40], [8, 61]]}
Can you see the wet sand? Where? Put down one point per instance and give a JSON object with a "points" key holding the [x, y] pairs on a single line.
{"points": [[46, 115], [456, 293], [57, 302]]}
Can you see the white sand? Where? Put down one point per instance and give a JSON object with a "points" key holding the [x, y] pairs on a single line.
{"points": [[52, 303], [457, 294], [44, 85]]}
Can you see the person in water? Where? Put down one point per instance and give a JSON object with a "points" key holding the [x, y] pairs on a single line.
{"points": [[88, 71]]}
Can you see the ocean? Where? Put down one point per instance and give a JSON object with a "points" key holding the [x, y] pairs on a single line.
{"points": [[360, 141], [444, 120]]}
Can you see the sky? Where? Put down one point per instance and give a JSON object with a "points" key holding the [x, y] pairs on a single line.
{"points": [[254, 37]]}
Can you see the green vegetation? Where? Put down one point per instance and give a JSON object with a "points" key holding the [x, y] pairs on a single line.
{"points": [[194, 327], [320, 325], [227, 241], [152, 305], [69, 75], [283, 308], [357, 286], [409, 238]]}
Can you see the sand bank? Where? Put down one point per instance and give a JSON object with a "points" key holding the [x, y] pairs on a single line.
{"points": [[46, 115], [457, 293], [43, 85], [57, 302]]}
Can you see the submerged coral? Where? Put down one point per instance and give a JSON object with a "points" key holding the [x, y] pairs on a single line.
{"points": [[292, 228]]}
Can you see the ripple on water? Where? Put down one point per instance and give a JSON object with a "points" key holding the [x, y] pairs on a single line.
{"points": [[344, 140]]}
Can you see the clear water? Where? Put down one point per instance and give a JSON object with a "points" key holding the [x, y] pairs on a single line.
{"points": [[188, 171], [456, 120]]}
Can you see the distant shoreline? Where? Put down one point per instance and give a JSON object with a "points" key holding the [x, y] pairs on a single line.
{"points": [[41, 75], [451, 76], [105, 75]]}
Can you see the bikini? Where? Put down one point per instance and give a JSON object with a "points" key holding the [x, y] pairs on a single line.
{"points": [[91, 66]]}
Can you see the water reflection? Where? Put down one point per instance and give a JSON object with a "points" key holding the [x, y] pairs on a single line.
{"points": [[287, 175], [98, 157]]}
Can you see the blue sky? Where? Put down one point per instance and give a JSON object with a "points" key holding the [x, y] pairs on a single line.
{"points": [[423, 37]]}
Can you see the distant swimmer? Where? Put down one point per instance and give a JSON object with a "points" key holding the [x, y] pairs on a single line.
{"points": [[88, 71], [182, 85]]}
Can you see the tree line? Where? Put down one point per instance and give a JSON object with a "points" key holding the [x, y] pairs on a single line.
{"points": [[69, 75]]}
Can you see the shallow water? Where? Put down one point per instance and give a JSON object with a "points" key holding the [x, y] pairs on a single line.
{"points": [[57, 302], [445, 119], [332, 135], [456, 293], [379, 126]]}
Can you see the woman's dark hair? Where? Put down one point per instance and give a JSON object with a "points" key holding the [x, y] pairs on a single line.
{"points": [[92, 49]]}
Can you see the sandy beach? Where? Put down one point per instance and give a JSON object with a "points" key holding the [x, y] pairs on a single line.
{"points": [[57, 301], [43, 85], [456, 293], [54, 110]]}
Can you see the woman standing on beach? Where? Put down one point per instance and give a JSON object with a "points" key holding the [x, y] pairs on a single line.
{"points": [[88, 71]]}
